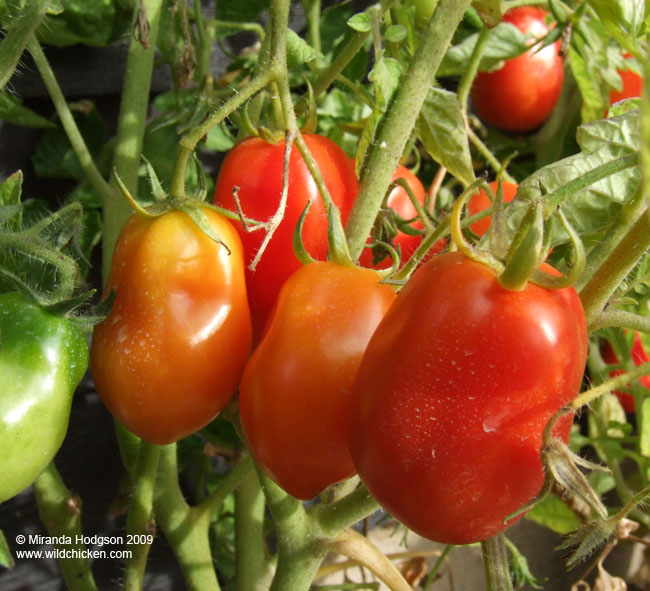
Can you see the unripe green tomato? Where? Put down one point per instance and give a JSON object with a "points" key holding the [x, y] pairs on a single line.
{"points": [[42, 359]]}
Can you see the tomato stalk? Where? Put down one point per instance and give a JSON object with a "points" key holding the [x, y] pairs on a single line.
{"points": [[490, 158], [465, 84], [60, 512], [140, 522], [497, 567], [249, 534], [187, 527], [400, 119]]}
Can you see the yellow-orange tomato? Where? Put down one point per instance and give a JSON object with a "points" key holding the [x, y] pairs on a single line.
{"points": [[170, 354], [294, 400]]}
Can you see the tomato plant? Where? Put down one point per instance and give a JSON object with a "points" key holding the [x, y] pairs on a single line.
{"points": [[521, 95], [42, 359], [170, 354], [294, 397], [450, 400], [480, 202], [255, 166]]}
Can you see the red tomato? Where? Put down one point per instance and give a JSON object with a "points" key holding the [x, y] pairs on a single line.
{"points": [[170, 354], [632, 86], [522, 94], [480, 202], [255, 166], [639, 357], [294, 396], [454, 391], [400, 202]]}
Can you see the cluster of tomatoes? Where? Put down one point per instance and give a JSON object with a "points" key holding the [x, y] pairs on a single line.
{"points": [[436, 396]]}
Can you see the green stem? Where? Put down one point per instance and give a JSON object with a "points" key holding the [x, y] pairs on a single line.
{"points": [[312, 12], [490, 158], [332, 518], [18, 33], [131, 124], [60, 512], [190, 140], [299, 551], [249, 533], [497, 568], [617, 265], [186, 528], [140, 525], [400, 119], [465, 84], [67, 121]]}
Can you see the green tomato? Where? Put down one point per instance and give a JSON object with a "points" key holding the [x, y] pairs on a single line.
{"points": [[42, 359]]}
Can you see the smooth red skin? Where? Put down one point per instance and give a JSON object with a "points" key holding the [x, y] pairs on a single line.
{"points": [[399, 201], [256, 166], [639, 357], [170, 354], [294, 396], [453, 394], [480, 202], [521, 95]]}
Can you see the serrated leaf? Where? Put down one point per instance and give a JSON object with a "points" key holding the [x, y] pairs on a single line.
{"points": [[395, 33], [6, 558], [505, 42], [82, 21], [360, 22], [591, 209], [298, 50], [441, 128], [593, 106], [385, 76]]}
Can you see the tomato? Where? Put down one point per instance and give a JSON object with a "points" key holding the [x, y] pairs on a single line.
{"points": [[639, 357], [170, 354], [632, 86], [294, 396], [255, 166], [480, 202], [521, 95], [42, 359], [453, 393], [400, 202]]}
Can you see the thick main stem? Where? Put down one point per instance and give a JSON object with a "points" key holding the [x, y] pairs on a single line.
{"points": [[131, 123], [400, 119]]}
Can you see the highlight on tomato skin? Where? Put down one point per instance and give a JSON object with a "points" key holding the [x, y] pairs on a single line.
{"points": [[521, 95], [294, 400], [169, 356], [451, 398]]}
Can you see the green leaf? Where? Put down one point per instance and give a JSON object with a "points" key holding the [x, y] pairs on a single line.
{"points": [[6, 559], [82, 21], [10, 205], [554, 514], [591, 209], [240, 11], [395, 33], [505, 42], [623, 20], [360, 22], [441, 128], [298, 50], [54, 156], [219, 140], [385, 76], [12, 111], [593, 105]]}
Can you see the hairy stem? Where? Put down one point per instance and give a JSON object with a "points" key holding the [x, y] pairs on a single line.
{"points": [[60, 512], [497, 568], [400, 119]]}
